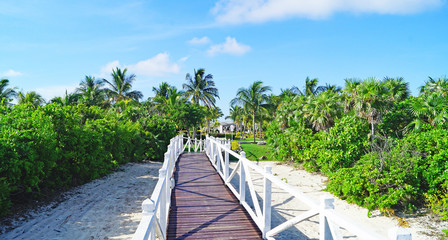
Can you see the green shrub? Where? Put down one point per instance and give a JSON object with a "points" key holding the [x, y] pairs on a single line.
{"points": [[234, 145], [385, 178]]}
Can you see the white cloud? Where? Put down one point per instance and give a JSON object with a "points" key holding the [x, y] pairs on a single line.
{"points": [[231, 46], [159, 65], [199, 41], [255, 11], [11, 73], [184, 59], [55, 91], [106, 70]]}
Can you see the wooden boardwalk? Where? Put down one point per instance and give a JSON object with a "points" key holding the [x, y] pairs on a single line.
{"points": [[202, 207]]}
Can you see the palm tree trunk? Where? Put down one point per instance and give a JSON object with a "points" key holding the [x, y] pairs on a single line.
{"points": [[373, 130], [253, 123]]}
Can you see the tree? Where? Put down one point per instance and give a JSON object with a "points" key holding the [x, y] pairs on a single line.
{"points": [[201, 88], [429, 109], [311, 88], [236, 114], [253, 99], [398, 89], [6, 93], [31, 98], [67, 99], [371, 101], [163, 90], [322, 110], [121, 85], [92, 91], [212, 114], [439, 86]]}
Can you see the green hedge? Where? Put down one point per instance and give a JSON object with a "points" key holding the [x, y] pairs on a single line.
{"points": [[56, 146]]}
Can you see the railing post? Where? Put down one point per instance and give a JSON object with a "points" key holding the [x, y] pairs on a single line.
{"points": [[162, 204], [326, 203], [242, 180], [148, 208], [267, 201], [189, 144], [226, 161], [182, 143], [399, 233]]}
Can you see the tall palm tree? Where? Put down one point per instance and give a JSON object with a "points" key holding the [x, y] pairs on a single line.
{"points": [[311, 88], [91, 90], [439, 86], [162, 90], [121, 85], [322, 110], [253, 99], [371, 101], [398, 89], [236, 114], [350, 92], [31, 98], [429, 109], [5, 92], [201, 88]]}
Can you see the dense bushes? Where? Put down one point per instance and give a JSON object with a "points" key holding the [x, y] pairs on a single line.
{"points": [[403, 167], [58, 146]]}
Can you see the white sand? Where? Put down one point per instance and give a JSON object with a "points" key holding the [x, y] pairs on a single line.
{"points": [[107, 208], [110, 208]]}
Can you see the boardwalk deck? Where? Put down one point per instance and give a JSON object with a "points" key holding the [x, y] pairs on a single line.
{"points": [[202, 207]]}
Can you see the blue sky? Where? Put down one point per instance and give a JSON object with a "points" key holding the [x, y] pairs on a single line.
{"points": [[49, 46]]}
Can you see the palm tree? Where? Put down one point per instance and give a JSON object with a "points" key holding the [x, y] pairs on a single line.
{"points": [[350, 93], [201, 88], [163, 90], [236, 114], [253, 99], [322, 110], [121, 85], [371, 101], [430, 109], [6, 93], [398, 89], [439, 86], [31, 98], [311, 88], [212, 114], [67, 99], [91, 90]]}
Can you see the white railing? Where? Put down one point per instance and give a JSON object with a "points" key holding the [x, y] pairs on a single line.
{"points": [[156, 209], [330, 222], [198, 144]]}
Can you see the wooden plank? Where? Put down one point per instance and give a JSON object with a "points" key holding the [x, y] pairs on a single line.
{"points": [[202, 207]]}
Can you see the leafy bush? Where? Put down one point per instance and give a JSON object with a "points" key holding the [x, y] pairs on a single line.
{"points": [[234, 145], [384, 178], [57, 146]]}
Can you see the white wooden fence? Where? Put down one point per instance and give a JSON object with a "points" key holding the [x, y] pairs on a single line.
{"points": [[330, 222], [156, 209]]}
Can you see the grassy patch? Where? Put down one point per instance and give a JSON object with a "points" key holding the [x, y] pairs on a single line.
{"points": [[254, 151], [250, 139]]}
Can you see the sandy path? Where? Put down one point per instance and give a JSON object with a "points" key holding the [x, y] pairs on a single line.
{"points": [[107, 208]]}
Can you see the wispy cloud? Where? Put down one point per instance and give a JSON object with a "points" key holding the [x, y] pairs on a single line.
{"points": [[50, 92], [199, 41], [230, 46], [158, 65], [256, 11], [11, 73]]}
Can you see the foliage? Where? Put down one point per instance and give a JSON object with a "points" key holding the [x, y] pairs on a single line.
{"points": [[234, 145], [385, 178], [47, 148]]}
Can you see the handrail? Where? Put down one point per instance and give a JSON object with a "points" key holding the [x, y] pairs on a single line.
{"points": [[154, 221], [218, 151]]}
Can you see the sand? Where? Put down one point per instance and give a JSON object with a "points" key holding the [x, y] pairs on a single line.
{"points": [[106, 208], [110, 208]]}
